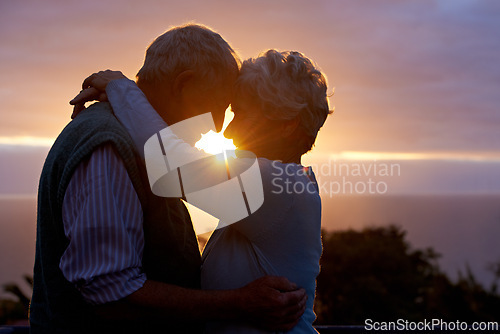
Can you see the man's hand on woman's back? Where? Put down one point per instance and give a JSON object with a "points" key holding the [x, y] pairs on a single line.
{"points": [[272, 303]]}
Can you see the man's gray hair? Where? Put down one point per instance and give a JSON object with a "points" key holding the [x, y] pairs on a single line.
{"points": [[287, 86], [189, 47]]}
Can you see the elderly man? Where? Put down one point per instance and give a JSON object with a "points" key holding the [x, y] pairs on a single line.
{"points": [[112, 257]]}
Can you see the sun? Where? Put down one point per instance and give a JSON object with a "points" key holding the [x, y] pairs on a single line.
{"points": [[214, 143]]}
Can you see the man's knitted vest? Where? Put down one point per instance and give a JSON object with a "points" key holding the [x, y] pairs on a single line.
{"points": [[171, 252]]}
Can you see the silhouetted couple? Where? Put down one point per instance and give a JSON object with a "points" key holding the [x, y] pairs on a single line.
{"points": [[116, 251]]}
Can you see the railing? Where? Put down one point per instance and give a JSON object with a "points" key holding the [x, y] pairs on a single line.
{"points": [[340, 329], [321, 329], [14, 329]]}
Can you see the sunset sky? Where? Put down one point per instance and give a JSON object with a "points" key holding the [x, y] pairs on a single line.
{"points": [[416, 82]]}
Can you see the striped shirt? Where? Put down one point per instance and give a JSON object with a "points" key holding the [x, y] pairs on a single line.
{"points": [[103, 222]]}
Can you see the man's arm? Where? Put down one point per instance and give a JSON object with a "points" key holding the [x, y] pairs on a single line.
{"points": [[261, 303], [101, 208]]}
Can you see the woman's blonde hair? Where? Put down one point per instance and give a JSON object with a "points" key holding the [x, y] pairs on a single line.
{"points": [[287, 86]]}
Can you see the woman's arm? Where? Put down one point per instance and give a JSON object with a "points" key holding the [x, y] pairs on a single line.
{"points": [[176, 169], [134, 111]]}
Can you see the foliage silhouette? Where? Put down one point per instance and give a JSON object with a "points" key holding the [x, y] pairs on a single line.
{"points": [[11, 310], [375, 274], [372, 273]]}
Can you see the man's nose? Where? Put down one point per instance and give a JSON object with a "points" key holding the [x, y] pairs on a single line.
{"points": [[218, 127], [218, 121], [228, 133]]}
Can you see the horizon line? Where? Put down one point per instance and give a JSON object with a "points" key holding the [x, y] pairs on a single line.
{"points": [[470, 156]]}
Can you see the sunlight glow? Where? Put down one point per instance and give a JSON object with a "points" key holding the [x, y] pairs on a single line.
{"points": [[27, 141], [203, 222], [214, 143]]}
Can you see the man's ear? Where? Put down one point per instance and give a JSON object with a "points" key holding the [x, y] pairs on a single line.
{"points": [[289, 127], [182, 80]]}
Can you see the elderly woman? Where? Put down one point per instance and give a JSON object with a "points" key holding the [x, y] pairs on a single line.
{"points": [[279, 105]]}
